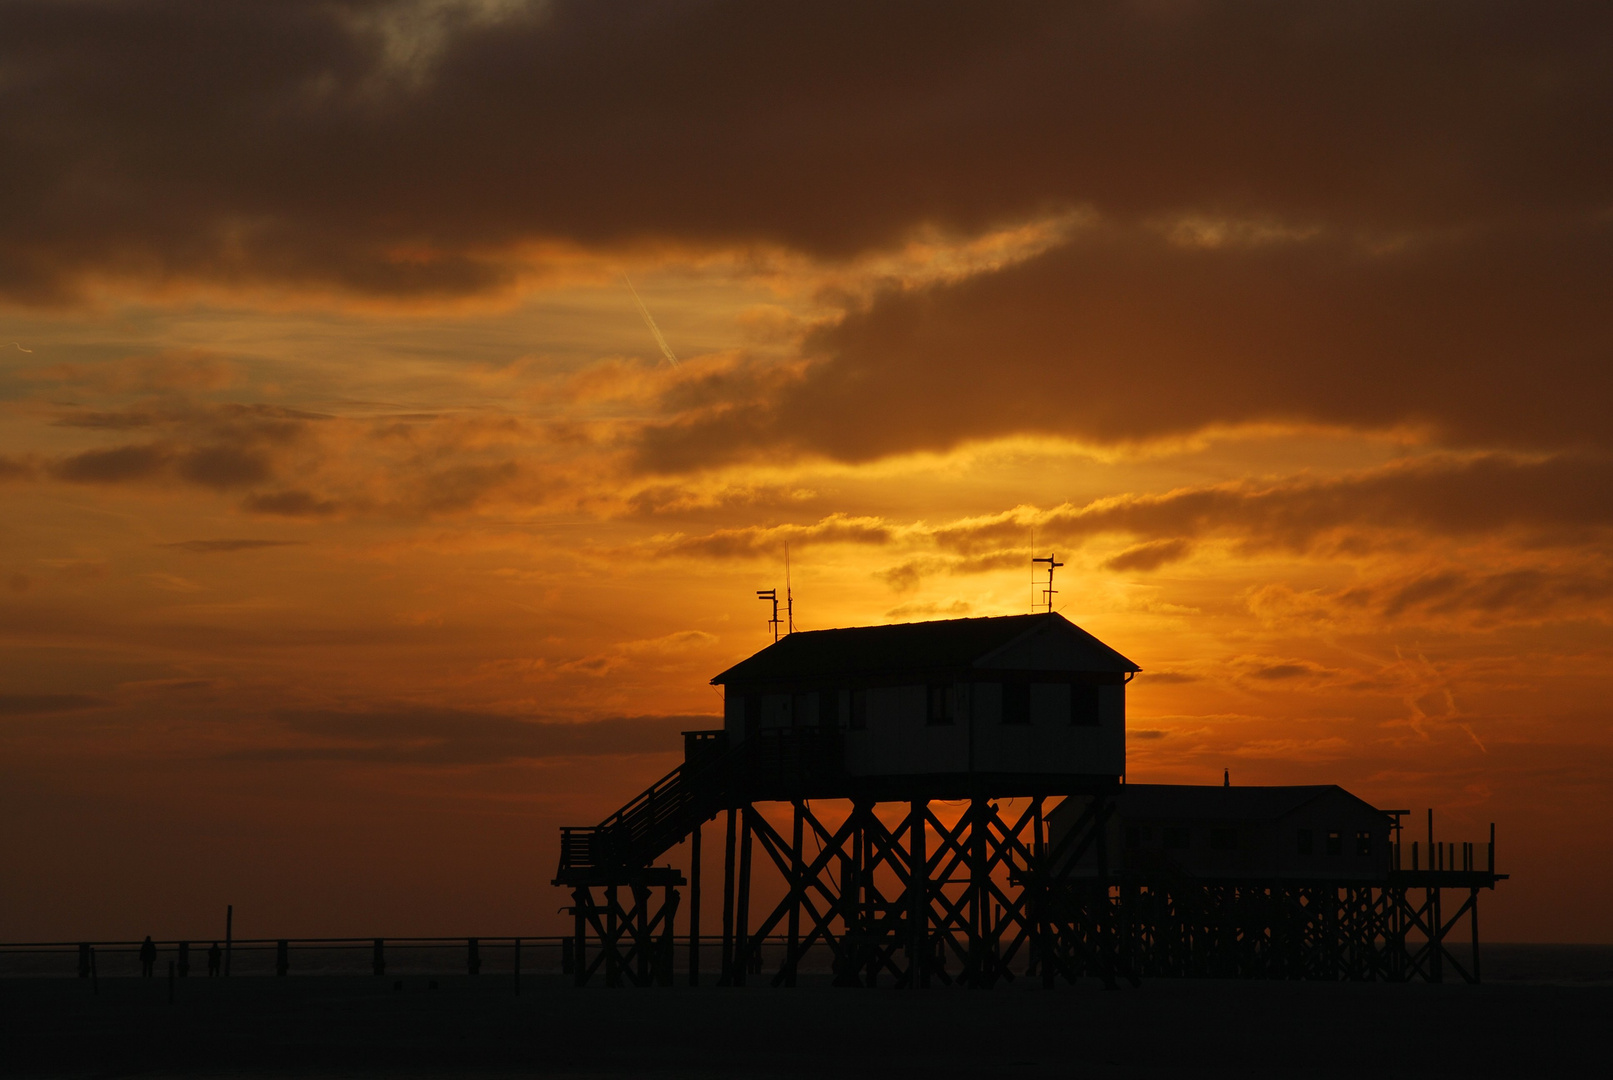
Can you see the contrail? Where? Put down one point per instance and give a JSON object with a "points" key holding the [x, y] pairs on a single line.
{"points": [[649, 320], [18, 344]]}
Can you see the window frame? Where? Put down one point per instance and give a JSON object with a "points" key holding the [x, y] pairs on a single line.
{"points": [[858, 721], [1016, 703], [1086, 705]]}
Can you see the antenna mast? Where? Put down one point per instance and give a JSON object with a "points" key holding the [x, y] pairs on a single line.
{"points": [[789, 597], [1049, 592], [770, 594]]}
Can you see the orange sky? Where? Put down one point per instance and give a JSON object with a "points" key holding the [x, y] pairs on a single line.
{"points": [[356, 534]]}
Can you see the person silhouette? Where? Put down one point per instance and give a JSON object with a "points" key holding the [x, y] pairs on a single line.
{"points": [[148, 957], [215, 959]]}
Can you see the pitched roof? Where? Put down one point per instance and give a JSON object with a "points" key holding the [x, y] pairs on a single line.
{"points": [[1192, 801], [945, 643]]}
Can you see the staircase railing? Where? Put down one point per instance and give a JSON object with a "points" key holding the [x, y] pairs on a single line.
{"points": [[767, 763], [657, 817]]}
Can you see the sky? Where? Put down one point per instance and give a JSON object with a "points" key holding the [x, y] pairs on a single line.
{"points": [[356, 532]]}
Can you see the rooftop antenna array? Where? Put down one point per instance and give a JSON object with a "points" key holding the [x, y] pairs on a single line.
{"points": [[770, 594], [1048, 593]]}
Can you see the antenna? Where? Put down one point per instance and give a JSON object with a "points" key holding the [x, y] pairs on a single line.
{"points": [[789, 597], [770, 594], [1052, 565]]}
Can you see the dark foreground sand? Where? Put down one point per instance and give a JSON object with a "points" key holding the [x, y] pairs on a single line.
{"points": [[320, 1027]]}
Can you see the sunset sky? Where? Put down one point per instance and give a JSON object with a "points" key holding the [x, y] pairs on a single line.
{"points": [[355, 533]]}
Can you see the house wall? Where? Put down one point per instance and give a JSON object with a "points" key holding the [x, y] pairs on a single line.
{"points": [[898, 739], [1258, 849]]}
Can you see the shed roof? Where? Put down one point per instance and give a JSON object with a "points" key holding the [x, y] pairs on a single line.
{"points": [[1190, 801], [945, 643]]}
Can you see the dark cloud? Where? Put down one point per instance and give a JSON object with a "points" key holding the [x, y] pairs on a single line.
{"points": [[14, 469], [118, 420], [1150, 556], [304, 146], [41, 704], [429, 736], [1568, 498], [1560, 501], [224, 447], [759, 540], [1280, 672], [117, 465], [1533, 591], [1169, 677], [211, 547], [292, 503], [1495, 338], [223, 467]]}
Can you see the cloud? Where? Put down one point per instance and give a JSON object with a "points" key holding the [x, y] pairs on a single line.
{"points": [[14, 469], [116, 465], [312, 147], [440, 736], [224, 467], [1150, 556], [211, 547], [172, 371], [1465, 596], [1486, 495], [290, 503], [758, 540], [954, 609], [45, 704], [1122, 338], [1560, 501]]}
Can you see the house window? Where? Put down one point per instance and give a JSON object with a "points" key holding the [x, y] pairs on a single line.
{"points": [[829, 709], [753, 713], [1176, 836], [940, 708], [859, 710], [1335, 843], [1083, 705], [1134, 838], [1016, 702], [1302, 845], [1224, 839], [1363, 843], [800, 711]]}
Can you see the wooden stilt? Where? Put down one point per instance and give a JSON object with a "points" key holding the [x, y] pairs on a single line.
{"points": [[694, 907], [793, 953], [742, 942], [726, 975]]}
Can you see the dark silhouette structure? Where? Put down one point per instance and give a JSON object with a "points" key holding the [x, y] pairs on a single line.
{"points": [[988, 833], [148, 957]]}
